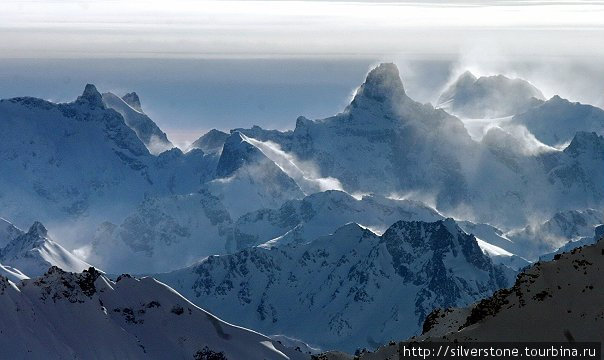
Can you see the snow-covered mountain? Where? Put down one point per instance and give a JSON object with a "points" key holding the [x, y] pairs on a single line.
{"points": [[382, 136], [133, 100], [383, 143], [386, 143], [66, 315], [77, 164], [248, 180], [346, 290], [489, 96], [163, 234], [33, 252], [156, 235], [575, 243], [554, 301], [572, 225], [146, 130], [556, 121], [321, 214], [211, 142]]}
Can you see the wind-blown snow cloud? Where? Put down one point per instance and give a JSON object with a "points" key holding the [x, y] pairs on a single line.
{"points": [[304, 173]]}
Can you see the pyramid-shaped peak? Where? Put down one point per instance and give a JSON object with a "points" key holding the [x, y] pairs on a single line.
{"points": [[235, 138], [91, 96], [236, 152], [38, 229], [467, 76], [382, 83], [133, 100]]}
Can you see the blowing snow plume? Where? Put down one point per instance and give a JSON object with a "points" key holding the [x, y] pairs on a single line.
{"points": [[303, 172]]}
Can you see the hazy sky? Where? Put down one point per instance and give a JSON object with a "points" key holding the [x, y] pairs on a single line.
{"points": [[193, 28], [204, 64]]}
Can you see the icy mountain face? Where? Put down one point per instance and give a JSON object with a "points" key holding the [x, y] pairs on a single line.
{"points": [[390, 145], [489, 96], [350, 289], [578, 173], [558, 300], [211, 142], [155, 236], [555, 301], [556, 121], [32, 253], [65, 315], [164, 234], [248, 180], [301, 221], [146, 130], [382, 136], [64, 163]]}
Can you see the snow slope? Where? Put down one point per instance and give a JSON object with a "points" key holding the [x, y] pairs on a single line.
{"points": [[64, 315], [211, 142], [556, 121], [32, 253], [346, 290], [146, 130]]}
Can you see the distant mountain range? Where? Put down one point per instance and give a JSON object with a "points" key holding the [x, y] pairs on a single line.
{"points": [[344, 232]]}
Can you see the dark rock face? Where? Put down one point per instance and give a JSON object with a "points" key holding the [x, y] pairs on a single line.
{"points": [[57, 284], [236, 153], [133, 100]]}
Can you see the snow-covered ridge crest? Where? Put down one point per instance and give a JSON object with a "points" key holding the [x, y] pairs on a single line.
{"points": [[353, 288], [87, 315], [146, 130]]}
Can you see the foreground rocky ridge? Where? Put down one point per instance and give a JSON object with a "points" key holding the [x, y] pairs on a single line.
{"points": [[85, 315]]}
